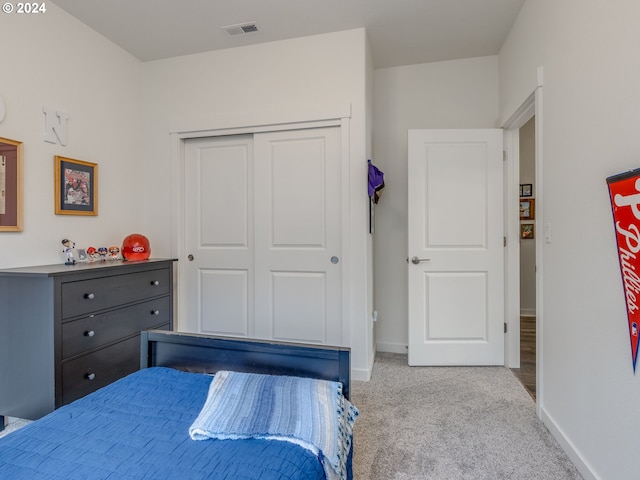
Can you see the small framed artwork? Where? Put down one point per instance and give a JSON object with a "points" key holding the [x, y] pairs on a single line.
{"points": [[527, 209], [82, 255], [526, 231], [526, 190], [10, 185], [76, 187]]}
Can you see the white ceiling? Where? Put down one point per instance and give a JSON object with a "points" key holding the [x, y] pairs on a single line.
{"points": [[401, 32]]}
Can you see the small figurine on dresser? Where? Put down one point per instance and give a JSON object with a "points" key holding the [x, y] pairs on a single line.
{"points": [[92, 253], [68, 250], [102, 251], [114, 252]]}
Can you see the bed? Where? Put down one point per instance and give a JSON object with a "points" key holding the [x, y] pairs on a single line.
{"points": [[141, 426]]}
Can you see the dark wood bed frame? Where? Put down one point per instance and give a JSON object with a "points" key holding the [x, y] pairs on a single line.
{"points": [[209, 354]]}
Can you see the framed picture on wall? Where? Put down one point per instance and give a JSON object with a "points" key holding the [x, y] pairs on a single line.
{"points": [[526, 190], [76, 187], [527, 209], [526, 231], [10, 185]]}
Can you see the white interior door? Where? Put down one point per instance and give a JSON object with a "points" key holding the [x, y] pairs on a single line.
{"points": [[263, 226], [455, 268], [298, 235], [219, 235]]}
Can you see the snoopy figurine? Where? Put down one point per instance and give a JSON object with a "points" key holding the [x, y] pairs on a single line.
{"points": [[68, 250]]}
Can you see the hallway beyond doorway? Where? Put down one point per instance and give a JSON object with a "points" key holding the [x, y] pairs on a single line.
{"points": [[527, 371]]}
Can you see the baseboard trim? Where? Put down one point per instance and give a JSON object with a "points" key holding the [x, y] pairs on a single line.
{"points": [[569, 448], [360, 375], [364, 374], [392, 347]]}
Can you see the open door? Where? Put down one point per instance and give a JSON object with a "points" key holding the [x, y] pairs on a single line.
{"points": [[455, 264]]}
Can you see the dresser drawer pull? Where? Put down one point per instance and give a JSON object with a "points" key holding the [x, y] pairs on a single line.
{"points": [[90, 376], [89, 296], [89, 333], [155, 312], [155, 283]]}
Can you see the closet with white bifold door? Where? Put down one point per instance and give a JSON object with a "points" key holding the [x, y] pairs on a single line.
{"points": [[263, 235]]}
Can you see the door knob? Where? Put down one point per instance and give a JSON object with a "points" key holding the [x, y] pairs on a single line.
{"points": [[416, 260], [190, 257], [334, 260]]}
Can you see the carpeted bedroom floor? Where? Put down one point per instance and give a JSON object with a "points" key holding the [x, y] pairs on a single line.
{"points": [[450, 423]]}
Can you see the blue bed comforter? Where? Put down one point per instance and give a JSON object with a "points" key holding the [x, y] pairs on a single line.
{"points": [[138, 428]]}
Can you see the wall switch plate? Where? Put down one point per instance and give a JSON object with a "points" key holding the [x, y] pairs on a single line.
{"points": [[547, 233]]}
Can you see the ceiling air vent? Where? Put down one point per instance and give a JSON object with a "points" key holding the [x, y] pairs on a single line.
{"points": [[240, 29]]}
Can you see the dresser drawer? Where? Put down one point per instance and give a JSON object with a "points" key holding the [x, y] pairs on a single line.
{"points": [[97, 330], [90, 372], [86, 374], [88, 296]]}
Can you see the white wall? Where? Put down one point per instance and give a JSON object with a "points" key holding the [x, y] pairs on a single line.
{"points": [[591, 112], [286, 80], [53, 60], [453, 94]]}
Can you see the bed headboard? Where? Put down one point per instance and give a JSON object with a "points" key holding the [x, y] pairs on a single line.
{"points": [[208, 354]]}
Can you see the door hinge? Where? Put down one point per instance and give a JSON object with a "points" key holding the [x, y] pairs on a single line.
{"points": [[505, 327], [504, 241], [504, 155]]}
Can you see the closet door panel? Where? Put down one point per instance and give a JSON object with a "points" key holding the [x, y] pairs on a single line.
{"points": [[298, 235], [298, 194], [299, 306], [224, 305], [219, 235]]}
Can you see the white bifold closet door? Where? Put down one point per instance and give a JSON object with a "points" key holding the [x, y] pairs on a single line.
{"points": [[263, 228]]}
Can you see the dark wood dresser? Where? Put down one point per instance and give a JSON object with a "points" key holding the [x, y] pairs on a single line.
{"points": [[66, 331]]}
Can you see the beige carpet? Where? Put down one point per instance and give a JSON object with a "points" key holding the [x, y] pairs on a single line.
{"points": [[449, 423], [13, 424]]}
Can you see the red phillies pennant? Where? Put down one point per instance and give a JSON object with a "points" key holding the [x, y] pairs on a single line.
{"points": [[624, 191]]}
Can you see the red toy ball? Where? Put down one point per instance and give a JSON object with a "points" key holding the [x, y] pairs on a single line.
{"points": [[136, 247]]}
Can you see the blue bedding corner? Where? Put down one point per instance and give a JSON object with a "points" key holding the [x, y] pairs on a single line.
{"points": [[138, 429]]}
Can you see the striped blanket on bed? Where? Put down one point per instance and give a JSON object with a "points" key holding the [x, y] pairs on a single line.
{"points": [[312, 413]]}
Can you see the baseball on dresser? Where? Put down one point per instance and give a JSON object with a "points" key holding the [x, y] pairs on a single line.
{"points": [[135, 247]]}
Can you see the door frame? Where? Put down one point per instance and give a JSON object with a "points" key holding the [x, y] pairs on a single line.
{"points": [[251, 123], [532, 106]]}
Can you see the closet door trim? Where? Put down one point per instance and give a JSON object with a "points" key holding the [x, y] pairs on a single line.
{"points": [[231, 123]]}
